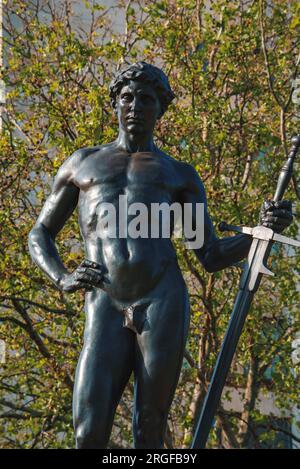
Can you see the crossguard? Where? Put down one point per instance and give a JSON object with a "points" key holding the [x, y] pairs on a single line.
{"points": [[259, 232]]}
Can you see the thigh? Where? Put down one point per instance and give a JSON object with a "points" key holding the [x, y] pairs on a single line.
{"points": [[105, 363], [160, 347]]}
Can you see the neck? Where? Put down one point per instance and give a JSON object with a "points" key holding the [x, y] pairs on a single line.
{"points": [[134, 143]]}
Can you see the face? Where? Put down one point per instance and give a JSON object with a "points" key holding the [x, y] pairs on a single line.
{"points": [[138, 108]]}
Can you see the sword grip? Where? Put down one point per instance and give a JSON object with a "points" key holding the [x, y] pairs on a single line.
{"points": [[287, 170]]}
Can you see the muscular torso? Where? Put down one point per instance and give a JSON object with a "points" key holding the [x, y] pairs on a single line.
{"points": [[133, 266]]}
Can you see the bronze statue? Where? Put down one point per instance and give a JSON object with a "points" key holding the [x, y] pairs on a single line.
{"points": [[136, 302]]}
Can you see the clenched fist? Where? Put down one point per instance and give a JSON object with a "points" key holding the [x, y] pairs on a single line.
{"points": [[276, 215]]}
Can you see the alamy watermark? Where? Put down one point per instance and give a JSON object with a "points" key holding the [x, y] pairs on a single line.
{"points": [[155, 220], [2, 351], [296, 91]]}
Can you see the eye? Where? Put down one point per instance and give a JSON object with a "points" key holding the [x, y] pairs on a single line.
{"points": [[126, 97], [147, 98]]}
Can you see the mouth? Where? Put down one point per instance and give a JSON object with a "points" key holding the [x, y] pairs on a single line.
{"points": [[135, 120]]}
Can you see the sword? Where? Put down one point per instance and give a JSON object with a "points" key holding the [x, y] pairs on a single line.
{"points": [[254, 269]]}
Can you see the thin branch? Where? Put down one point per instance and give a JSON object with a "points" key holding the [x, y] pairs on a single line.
{"points": [[126, 35], [38, 305], [31, 331], [265, 52], [32, 412]]}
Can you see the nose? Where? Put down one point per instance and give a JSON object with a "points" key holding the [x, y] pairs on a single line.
{"points": [[136, 104]]}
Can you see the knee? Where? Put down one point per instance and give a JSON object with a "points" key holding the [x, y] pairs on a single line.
{"points": [[149, 428], [88, 436]]}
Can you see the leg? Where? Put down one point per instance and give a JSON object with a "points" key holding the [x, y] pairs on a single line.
{"points": [[159, 355], [104, 367]]}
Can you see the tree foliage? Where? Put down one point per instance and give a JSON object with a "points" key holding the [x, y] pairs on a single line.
{"points": [[231, 65]]}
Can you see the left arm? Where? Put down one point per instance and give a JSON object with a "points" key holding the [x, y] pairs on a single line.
{"points": [[215, 254]]}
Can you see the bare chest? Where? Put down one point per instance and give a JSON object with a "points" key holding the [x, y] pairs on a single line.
{"points": [[119, 172]]}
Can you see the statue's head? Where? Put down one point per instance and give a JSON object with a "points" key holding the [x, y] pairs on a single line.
{"points": [[148, 78]]}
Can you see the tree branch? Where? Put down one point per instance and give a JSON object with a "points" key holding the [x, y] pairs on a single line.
{"points": [[265, 52]]}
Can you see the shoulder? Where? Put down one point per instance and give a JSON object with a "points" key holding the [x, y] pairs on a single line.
{"points": [[173, 161], [192, 181], [176, 164], [71, 165], [185, 168], [166, 156], [191, 175]]}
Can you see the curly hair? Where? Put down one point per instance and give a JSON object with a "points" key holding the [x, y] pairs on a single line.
{"points": [[148, 74]]}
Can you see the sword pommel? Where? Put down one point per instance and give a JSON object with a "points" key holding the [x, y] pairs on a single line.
{"points": [[223, 226]]}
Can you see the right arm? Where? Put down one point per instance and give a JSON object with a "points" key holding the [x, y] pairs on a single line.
{"points": [[56, 211]]}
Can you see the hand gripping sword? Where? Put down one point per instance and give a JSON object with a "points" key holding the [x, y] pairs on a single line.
{"points": [[254, 269]]}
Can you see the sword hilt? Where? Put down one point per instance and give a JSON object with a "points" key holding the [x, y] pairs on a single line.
{"points": [[223, 226], [259, 232], [287, 170]]}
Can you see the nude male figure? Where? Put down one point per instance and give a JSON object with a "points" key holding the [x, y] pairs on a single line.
{"points": [[136, 302]]}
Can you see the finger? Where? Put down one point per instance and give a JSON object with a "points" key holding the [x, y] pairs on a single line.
{"points": [[285, 204], [90, 270], [282, 213], [85, 277], [278, 228], [271, 205], [89, 278], [84, 285], [79, 275], [280, 220], [275, 226], [77, 285], [93, 275], [93, 265]]}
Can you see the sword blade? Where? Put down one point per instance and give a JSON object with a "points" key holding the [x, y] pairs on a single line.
{"points": [[251, 277], [213, 396]]}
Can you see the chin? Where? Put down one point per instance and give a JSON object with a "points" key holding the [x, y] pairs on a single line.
{"points": [[135, 128]]}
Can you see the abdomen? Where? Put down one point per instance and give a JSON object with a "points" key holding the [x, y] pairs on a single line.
{"points": [[134, 266]]}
